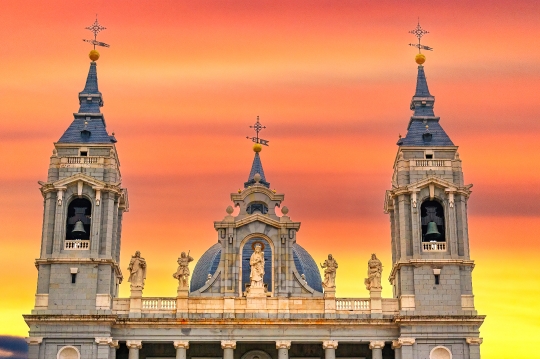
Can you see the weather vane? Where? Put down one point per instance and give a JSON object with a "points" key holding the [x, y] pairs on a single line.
{"points": [[258, 127], [96, 28], [419, 32]]}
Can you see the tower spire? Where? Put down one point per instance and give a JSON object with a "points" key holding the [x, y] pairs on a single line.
{"points": [[256, 167]]}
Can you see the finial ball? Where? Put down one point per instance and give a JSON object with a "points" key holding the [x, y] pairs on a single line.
{"points": [[257, 177], [284, 210], [229, 210], [257, 147], [93, 55], [420, 59]]}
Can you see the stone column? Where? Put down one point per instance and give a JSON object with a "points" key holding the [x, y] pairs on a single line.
{"points": [[406, 347], [113, 345], [283, 347], [181, 346], [34, 344], [103, 349], [376, 347], [474, 347], [330, 347], [228, 347], [396, 345], [134, 346]]}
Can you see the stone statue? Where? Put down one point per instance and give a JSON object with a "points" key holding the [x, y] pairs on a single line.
{"points": [[137, 271], [182, 273], [330, 265], [373, 281], [257, 267]]}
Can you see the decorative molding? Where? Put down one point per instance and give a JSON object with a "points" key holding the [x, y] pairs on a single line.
{"points": [[396, 344], [33, 340], [181, 344], [330, 344], [114, 344], [429, 262], [228, 344], [134, 344], [474, 341], [283, 344], [406, 341]]}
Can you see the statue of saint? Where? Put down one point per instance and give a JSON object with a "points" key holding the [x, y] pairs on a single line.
{"points": [[182, 273], [330, 265], [373, 281], [137, 271], [257, 267]]}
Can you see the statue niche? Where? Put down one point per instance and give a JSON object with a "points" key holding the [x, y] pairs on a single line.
{"points": [[432, 217], [79, 217]]}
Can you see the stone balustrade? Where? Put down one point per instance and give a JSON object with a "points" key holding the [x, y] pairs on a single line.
{"points": [[241, 305], [82, 160], [434, 246], [432, 163], [76, 244]]}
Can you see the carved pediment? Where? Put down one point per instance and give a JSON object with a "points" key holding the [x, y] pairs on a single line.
{"points": [[236, 197], [257, 217]]}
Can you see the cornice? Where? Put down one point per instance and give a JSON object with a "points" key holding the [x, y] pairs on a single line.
{"points": [[254, 218], [432, 262]]}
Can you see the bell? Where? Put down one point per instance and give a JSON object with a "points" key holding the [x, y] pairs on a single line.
{"points": [[432, 233], [78, 229]]}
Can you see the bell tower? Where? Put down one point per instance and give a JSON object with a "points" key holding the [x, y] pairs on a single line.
{"points": [[84, 202], [427, 204]]}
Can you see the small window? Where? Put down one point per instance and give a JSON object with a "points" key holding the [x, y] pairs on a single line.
{"points": [[257, 207], [84, 153], [73, 278], [429, 156], [437, 278]]}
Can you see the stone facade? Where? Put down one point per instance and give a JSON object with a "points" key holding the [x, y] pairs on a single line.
{"points": [[78, 313]]}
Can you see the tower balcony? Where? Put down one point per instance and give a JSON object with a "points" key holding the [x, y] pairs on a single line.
{"points": [[433, 246]]}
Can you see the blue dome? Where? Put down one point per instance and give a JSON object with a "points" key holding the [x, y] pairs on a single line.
{"points": [[307, 266], [206, 265]]}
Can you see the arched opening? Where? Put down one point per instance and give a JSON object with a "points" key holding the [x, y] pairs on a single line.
{"points": [[440, 352], [432, 215], [260, 207], [68, 352], [79, 217], [247, 251]]}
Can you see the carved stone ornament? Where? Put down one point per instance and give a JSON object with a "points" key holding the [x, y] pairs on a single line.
{"points": [[182, 272], [373, 281], [474, 341], [137, 271], [330, 267], [34, 340], [396, 344], [406, 341], [330, 344], [134, 344], [376, 344], [181, 344], [103, 340], [228, 344], [283, 344]]}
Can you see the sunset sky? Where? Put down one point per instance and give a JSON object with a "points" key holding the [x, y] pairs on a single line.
{"points": [[332, 80]]}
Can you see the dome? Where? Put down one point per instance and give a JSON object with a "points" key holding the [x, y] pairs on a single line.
{"points": [[206, 265], [307, 266]]}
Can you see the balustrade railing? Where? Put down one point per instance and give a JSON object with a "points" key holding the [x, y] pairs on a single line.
{"points": [[76, 244], [352, 304], [434, 246], [159, 304], [82, 160], [430, 163]]}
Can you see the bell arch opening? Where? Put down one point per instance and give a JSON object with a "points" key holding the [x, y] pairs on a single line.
{"points": [[433, 225], [79, 218], [258, 206]]}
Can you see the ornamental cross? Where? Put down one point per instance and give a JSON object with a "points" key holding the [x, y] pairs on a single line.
{"points": [[419, 32], [258, 127], [96, 28]]}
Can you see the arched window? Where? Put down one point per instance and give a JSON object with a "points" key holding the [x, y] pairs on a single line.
{"points": [[432, 214], [79, 217], [257, 207]]}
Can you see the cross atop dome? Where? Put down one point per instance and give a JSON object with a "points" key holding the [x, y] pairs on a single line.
{"points": [[96, 28], [256, 167]]}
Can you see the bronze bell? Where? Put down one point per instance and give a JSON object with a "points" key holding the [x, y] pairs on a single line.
{"points": [[78, 229], [432, 233]]}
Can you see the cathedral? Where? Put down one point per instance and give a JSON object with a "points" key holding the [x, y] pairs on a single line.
{"points": [[256, 293]]}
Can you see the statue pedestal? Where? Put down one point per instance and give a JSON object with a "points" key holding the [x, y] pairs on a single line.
{"points": [[256, 292], [182, 292], [376, 301], [330, 292], [135, 302]]}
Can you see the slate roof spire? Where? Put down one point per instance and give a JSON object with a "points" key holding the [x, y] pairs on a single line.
{"points": [[256, 167], [424, 128], [88, 125]]}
